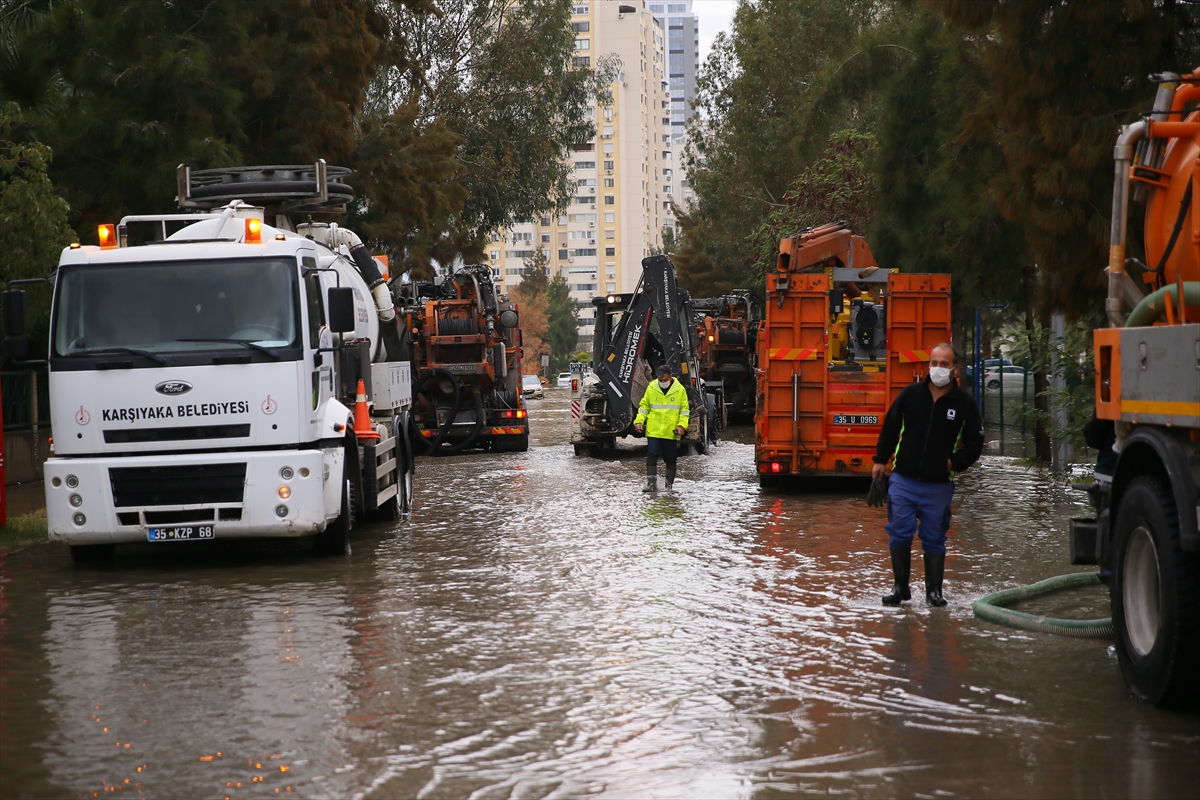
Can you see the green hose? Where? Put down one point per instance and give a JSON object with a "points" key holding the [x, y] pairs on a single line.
{"points": [[990, 608], [1154, 305]]}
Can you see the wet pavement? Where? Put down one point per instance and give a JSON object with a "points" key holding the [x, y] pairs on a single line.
{"points": [[540, 628]]}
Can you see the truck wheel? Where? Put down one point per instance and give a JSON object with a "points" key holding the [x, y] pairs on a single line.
{"points": [[93, 553], [1155, 597], [335, 539]]}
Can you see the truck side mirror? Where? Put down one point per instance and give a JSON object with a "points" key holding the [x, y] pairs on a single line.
{"points": [[16, 305], [341, 309]]}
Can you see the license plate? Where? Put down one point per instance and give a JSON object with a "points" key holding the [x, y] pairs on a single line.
{"points": [[855, 419], [180, 533]]}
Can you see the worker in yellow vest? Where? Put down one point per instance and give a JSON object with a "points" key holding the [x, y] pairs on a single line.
{"points": [[663, 417]]}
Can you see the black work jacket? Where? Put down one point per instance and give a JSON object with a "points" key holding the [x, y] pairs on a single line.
{"points": [[923, 435]]}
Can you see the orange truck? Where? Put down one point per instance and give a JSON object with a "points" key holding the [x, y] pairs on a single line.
{"points": [[1146, 531], [840, 339]]}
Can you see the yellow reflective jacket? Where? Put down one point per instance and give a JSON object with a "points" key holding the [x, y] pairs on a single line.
{"points": [[662, 411]]}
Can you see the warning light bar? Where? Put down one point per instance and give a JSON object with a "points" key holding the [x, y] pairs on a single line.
{"points": [[253, 231], [108, 236]]}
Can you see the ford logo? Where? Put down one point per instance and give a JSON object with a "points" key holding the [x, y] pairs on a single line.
{"points": [[173, 387]]}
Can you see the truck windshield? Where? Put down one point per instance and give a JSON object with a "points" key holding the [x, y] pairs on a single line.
{"points": [[158, 307]]}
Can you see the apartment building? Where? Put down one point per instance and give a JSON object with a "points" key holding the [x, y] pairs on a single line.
{"points": [[620, 205], [683, 58]]}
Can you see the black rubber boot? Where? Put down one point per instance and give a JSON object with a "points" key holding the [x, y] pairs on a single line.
{"points": [[670, 477], [901, 565], [651, 475], [935, 566]]}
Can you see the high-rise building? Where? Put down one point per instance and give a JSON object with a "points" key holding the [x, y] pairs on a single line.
{"points": [[617, 214], [683, 58]]}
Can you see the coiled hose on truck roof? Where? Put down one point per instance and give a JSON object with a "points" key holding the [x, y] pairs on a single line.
{"points": [[991, 608]]}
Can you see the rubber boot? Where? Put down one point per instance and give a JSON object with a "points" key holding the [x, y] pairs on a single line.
{"points": [[670, 477], [935, 566], [651, 475], [901, 565]]}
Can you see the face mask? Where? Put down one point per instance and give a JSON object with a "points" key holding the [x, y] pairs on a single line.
{"points": [[939, 375], [664, 385]]}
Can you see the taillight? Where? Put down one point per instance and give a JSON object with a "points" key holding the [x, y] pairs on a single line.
{"points": [[774, 467]]}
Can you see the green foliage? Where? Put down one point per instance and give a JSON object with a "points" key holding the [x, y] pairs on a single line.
{"points": [[563, 318], [1069, 359], [23, 530], [33, 220], [838, 186], [1056, 131]]}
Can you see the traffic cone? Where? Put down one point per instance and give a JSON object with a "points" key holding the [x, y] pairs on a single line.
{"points": [[362, 416]]}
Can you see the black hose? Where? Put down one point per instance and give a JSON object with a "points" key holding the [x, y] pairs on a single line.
{"points": [[436, 447], [1184, 203], [366, 265]]}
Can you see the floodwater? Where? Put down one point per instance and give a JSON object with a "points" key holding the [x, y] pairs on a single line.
{"points": [[540, 628]]}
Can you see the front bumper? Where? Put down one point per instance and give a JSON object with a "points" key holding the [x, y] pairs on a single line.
{"points": [[258, 511]]}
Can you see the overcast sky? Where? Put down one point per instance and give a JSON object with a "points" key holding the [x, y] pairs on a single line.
{"points": [[715, 16]]}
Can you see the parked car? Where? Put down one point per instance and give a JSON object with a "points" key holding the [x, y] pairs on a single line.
{"points": [[1014, 377], [988, 364], [564, 380], [531, 387]]}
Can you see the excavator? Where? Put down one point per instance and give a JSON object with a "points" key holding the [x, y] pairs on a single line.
{"points": [[726, 330], [635, 333]]}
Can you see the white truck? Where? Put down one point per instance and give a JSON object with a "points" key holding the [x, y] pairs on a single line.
{"points": [[204, 384]]}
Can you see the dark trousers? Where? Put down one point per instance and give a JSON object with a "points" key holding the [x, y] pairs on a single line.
{"points": [[918, 507], [660, 448]]}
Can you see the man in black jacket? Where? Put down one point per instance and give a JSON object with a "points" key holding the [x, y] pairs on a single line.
{"points": [[932, 431]]}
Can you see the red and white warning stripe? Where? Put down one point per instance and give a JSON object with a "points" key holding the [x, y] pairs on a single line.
{"points": [[574, 409]]}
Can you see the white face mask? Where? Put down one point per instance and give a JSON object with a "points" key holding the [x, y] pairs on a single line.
{"points": [[664, 385], [939, 375]]}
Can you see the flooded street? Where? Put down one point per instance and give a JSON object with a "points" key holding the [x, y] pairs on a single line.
{"points": [[540, 628]]}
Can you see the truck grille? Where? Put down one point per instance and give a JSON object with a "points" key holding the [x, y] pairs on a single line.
{"points": [[185, 434], [177, 486]]}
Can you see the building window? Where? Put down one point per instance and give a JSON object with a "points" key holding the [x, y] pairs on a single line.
{"points": [[609, 251], [585, 165], [610, 233], [495, 255], [495, 237], [667, 189], [584, 147], [609, 216], [545, 238], [515, 271], [518, 253], [610, 200], [562, 255], [581, 62], [607, 130], [562, 220], [583, 44], [611, 286], [609, 183], [608, 165], [583, 251], [580, 27], [583, 287]]}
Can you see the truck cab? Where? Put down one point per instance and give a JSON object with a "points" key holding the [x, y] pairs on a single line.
{"points": [[203, 385]]}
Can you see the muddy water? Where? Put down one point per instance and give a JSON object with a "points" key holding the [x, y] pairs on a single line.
{"points": [[541, 628]]}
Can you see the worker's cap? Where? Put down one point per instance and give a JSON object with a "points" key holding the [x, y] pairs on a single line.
{"points": [[664, 370]]}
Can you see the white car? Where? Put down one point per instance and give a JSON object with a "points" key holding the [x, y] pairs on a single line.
{"points": [[531, 386], [564, 380], [1014, 377]]}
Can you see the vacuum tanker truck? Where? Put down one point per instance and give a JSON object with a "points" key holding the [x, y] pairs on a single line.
{"points": [[223, 372], [1146, 531]]}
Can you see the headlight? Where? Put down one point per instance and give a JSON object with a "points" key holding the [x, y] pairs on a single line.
{"points": [[75, 500], [287, 473], [72, 481], [281, 510]]}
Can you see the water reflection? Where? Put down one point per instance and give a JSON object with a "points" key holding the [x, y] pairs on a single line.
{"points": [[540, 627]]}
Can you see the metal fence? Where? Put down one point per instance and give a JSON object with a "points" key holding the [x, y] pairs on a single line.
{"points": [[22, 390]]}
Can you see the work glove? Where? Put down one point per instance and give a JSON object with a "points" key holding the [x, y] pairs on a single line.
{"points": [[877, 496]]}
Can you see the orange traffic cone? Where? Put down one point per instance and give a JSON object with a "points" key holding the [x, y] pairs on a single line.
{"points": [[362, 416]]}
